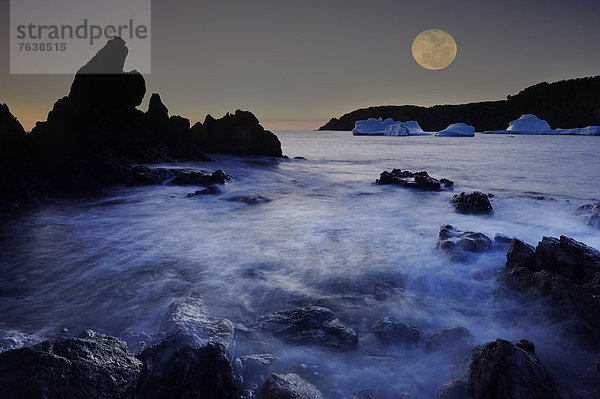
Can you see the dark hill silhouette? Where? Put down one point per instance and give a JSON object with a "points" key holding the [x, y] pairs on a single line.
{"points": [[565, 104]]}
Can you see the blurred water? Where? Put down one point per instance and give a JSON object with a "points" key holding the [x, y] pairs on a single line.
{"points": [[114, 262]]}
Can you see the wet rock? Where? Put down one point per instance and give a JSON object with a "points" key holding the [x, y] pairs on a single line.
{"points": [[209, 190], [454, 342], [385, 290], [474, 203], [563, 271], [309, 325], [249, 199], [239, 133], [200, 179], [364, 394], [288, 386], [192, 373], [501, 241], [419, 180], [447, 182], [93, 367], [252, 371], [457, 243], [455, 389], [501, 369], [144, 176], [589, 214], [392, 331]]}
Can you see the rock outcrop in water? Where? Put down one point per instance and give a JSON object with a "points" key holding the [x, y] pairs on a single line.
{"points": [[454, 342], [309, 325], [568, 104], [566, 273], [590, 214], [90, 367], [288, 386], [391, 331], [499, 370], [475, 203], [457, 244], [95, 136], [419, 180]]}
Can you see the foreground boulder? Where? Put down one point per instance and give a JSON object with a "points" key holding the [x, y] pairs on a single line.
{"points": [[192, 373], [90, 367], [308, 326], [392, 331], [420, 180], [565, 272], [288, 386], [590, 214], [475, 203], [499, 370], [239, 133]]}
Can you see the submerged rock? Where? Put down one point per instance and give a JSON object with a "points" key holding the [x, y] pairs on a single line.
{"points": [[420, 180], [192, 373], [186, 178], [392, 331], [564, 271], [590, 214], [454, 342], [387, 289], [91, 367], [309, 325], [288, 386], [474, 203], [457, 243]]}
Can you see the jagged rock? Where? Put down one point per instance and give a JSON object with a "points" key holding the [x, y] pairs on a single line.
{"points": [[252, 371], [309, 325], [455, 389], [91, 367], [392, 331], [501, 369], [157, 111], [474, 203], [590, 214], [564, 271], [288, 386], [364, 394], [457, 243], [420, 180], [454, 342], [12, 133], [102, 84], [239, 133], [200, 179], [192, 373]]}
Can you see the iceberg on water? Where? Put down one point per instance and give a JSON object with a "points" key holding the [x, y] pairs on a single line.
{"points": [[531, 124], [457, 130], [372, 126], [397, 129], [387, 127]]}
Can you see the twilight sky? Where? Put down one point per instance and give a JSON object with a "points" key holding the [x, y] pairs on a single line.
{"points": [[296, 64]]}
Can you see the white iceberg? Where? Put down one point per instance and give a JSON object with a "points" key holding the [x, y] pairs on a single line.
{"points": [[581, 131], [529, 124], [414, 129], [371, 127], [457, 130], [397, 129]]}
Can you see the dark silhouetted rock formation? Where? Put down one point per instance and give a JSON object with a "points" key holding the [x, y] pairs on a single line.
{"points": [[565, 104], [392, 331], [474, 203], [420, 180], [458, 244], [239, 133], [90, 367]]}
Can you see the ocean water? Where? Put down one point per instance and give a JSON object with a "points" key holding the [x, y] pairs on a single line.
{"points": [[327, 234]]}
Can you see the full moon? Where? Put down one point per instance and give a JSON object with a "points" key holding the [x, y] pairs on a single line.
{"points": [[434, 49]]}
